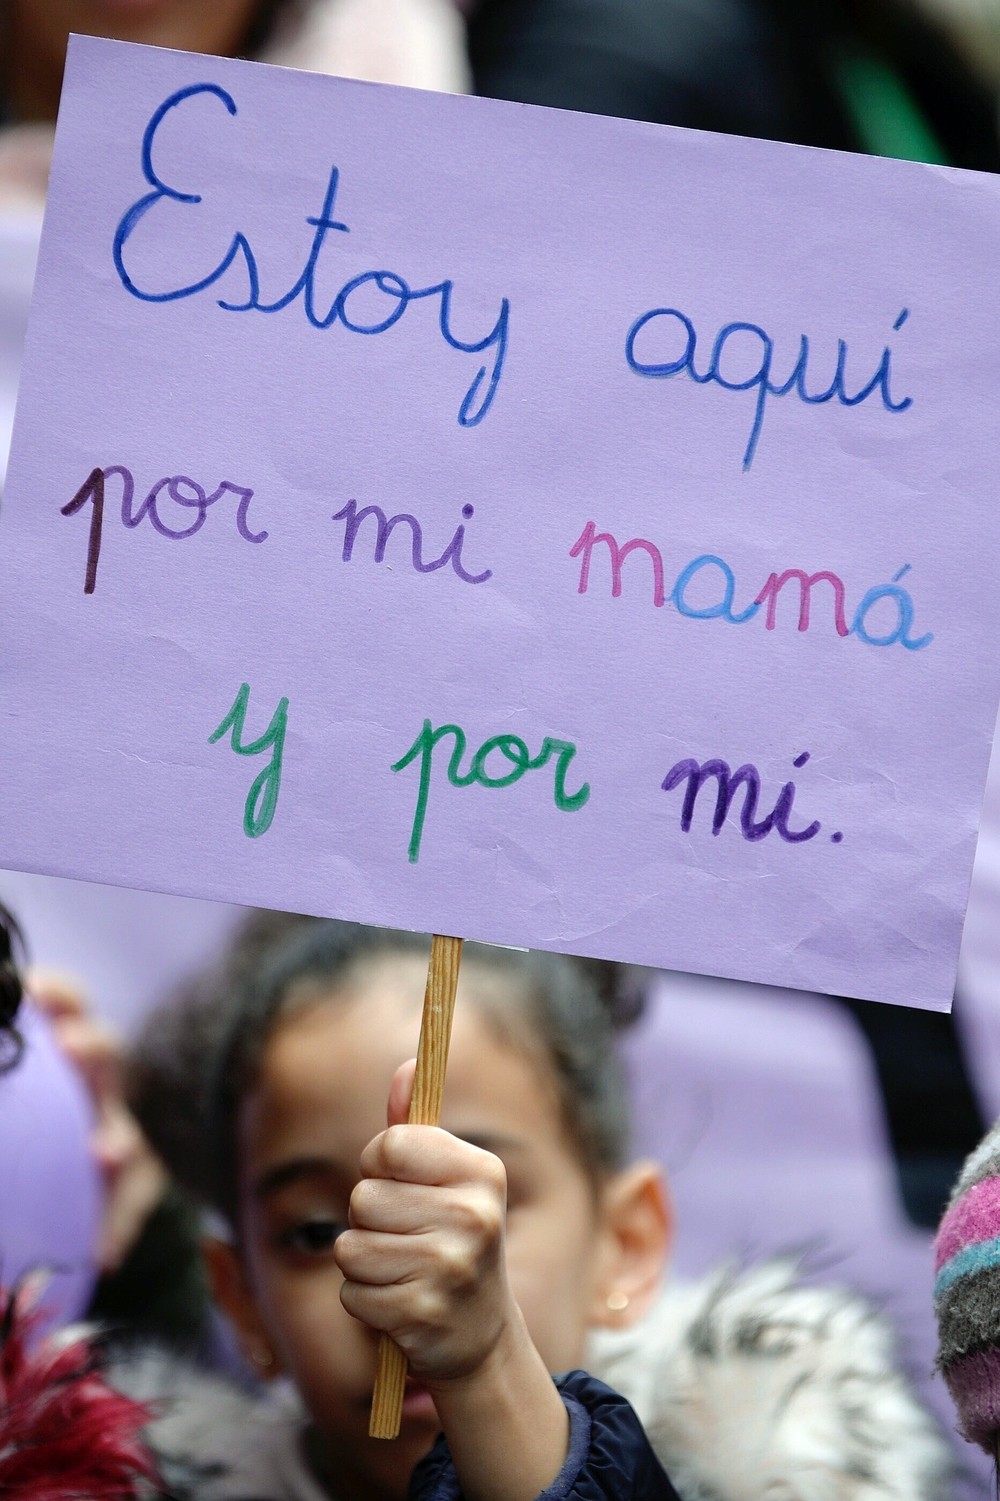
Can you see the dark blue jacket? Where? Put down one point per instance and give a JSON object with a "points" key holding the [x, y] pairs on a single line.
{"points": [[609, 1455]]}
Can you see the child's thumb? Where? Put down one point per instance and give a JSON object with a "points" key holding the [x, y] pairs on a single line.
{"points": [[400, 1090]]}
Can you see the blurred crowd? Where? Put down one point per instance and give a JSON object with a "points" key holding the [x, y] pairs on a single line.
{"points": [[822, 1127]]}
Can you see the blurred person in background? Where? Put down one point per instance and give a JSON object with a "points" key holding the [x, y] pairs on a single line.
{"points": [[415, 42], [883, 76], [892, 77], [967, 1295], [65, 1434]]}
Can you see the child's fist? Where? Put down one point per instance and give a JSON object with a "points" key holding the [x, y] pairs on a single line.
{"points": [[423, 1258]]}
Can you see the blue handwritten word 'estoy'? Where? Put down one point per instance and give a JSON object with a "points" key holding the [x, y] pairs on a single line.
{"points": [[663, 327], [345, 308]]}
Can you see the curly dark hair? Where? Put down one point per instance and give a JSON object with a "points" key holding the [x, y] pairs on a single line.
{"points": [[558, 1007], [197, 1056], [11, 944], [264, 21]]}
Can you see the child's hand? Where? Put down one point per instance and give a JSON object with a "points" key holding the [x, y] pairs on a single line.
{"points": [[423, 1259], [423, 1262]]}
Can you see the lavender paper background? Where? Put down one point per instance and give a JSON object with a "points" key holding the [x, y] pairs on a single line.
{"points": [[107, 701]]}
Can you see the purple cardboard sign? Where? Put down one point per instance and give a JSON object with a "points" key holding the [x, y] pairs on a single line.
{"points": [[552, 530]]}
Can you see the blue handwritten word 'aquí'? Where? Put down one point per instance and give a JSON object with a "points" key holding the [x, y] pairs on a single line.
{"points": [[351, 308], [741, 360], [707, 574]]}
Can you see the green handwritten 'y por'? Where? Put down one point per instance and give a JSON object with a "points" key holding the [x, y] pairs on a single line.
{"points": [[262, 799]]}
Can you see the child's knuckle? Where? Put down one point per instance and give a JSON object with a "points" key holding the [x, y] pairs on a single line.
{"points": [[347, 1248], [495, 1176], [428, 1307], [455, 1266], [364, 1198], [352, 1298], [395, 1150], [481, 1217]]}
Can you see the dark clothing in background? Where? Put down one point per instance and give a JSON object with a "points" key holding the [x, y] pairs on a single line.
{"points": [[770, 68]]}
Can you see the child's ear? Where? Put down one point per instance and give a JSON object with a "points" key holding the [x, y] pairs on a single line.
{"points": [[230, 1289], [638, 1233]]}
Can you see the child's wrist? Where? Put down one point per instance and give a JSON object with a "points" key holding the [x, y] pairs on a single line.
{"points": [[510, 1348], [505, 1422]]}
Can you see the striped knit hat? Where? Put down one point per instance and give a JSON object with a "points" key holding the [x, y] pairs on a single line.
{"points": [[967, 1294]]}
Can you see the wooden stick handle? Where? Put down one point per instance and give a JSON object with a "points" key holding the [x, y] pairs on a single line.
{"points": [[425, 1110]]}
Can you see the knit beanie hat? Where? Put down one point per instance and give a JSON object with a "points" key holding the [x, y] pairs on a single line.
{"points": [[967, 1294]]}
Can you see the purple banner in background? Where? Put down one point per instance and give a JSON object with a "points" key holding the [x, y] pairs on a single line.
{"points": [[551, 530]]}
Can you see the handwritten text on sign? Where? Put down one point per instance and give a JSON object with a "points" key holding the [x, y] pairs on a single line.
{"points": [[391, 471]]}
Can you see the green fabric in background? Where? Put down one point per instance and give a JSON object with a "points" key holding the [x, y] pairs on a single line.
{"points": [[886, 116]]}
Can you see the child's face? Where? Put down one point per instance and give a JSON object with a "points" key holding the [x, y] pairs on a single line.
{"points": [[320, 1099]]}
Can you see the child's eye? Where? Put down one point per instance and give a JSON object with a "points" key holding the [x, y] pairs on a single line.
{"points": [[311, 1237]]}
